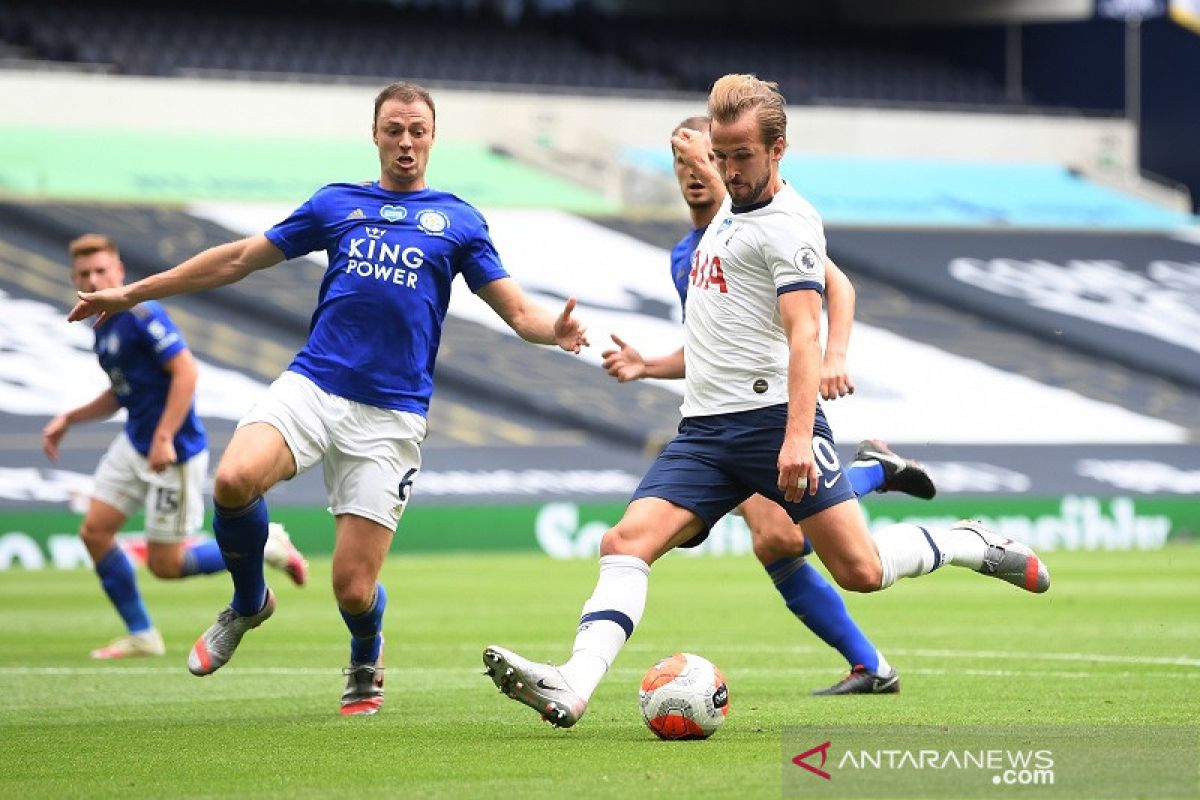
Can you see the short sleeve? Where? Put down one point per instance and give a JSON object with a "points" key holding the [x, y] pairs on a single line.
{"points": [[795, 254], [160, 332], [301, 233], [478, 260]]}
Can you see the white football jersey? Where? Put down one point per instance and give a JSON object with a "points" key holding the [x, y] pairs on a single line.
{"points": [[735, 350]]}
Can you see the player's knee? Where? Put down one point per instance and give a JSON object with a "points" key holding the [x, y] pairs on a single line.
{"points": [[859, 576], [234, 486], [622, 540], [96, 538], [770, 547], [165, 568], [353, 596]]}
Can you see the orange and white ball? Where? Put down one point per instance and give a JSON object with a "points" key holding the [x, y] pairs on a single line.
{"points": [[684, 696]]}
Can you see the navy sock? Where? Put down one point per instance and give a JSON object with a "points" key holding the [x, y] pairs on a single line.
{"points": [[366, 629], [203, 558], [120, 584], [819, 606], [865, 476], [241, 534]]}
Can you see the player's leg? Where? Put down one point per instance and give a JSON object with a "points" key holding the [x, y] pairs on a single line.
{"points": [[256, 458], [862, 563], [118, 492], [876, 468], [650, 527], [119, 581], [358, 556], [370, 469], [780, 546]]}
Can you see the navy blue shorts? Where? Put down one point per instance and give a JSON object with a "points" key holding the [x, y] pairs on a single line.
{"points": [[716, 462]]}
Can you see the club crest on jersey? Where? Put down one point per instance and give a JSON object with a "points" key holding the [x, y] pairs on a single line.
{"points": [[433, 222], [393, 213], [807, 260], [724, 226], [110, 344]]}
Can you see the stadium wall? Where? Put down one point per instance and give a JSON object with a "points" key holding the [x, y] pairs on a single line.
{"points": [[567, 529], [600, 125]]}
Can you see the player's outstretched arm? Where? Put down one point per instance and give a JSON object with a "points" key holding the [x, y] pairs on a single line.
{"points": [[839, 298], [103, 406], [627, 364], [216, 266], [532, 322]]}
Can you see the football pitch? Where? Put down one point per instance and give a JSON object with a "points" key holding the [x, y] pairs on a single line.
{"points": [[1116, 642]]}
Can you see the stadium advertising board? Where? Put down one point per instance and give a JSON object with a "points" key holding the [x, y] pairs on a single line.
{"points": [[1126, 297], [567, 529]]}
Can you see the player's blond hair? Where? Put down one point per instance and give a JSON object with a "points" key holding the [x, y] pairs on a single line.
{"points": [[734, 95], [92, 243], [405, 92]]}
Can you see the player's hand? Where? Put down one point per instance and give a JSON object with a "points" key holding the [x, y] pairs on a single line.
{"points": [[692, 146], [101, 304], [625, 364], [569, 333], [835, 377], [52, 434], [162, 453], [798, 473]]}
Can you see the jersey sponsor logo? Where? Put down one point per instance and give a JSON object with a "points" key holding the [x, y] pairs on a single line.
{"points": [[163, 338], [806, 260], [759, 386], [707, 273], [393, 213], [433, 222], [356, 214], [374, 232], [369, 257]]}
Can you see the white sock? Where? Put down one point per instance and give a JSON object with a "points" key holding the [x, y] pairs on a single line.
{"points": [[609, 617], [883, 667], [906, 551]]}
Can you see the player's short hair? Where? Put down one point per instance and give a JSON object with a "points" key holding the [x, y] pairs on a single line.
{"points": [[696, 123], [92, 243], [733, 95], [405, 92]]}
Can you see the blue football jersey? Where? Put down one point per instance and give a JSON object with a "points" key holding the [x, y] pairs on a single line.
{"points": [[375, 332], [132, 347], [681, 261]]}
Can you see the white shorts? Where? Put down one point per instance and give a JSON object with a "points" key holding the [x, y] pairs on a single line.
{"points": [[172, 499], [371, 455]]}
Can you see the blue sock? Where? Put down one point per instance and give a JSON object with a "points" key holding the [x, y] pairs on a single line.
{"points": [[865, 476], [242, 534], [120, 584], [818, 605], [366, 637], [202, 559]]}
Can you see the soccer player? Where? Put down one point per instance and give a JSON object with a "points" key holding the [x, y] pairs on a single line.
{"points": [[778, 543], [752, 368], [157, 463], [355, 397]]}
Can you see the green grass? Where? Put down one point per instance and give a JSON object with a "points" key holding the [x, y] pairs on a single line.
{"points": [[1095, 651]]}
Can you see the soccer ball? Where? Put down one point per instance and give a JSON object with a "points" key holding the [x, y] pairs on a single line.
{"points": [[684, 696]]}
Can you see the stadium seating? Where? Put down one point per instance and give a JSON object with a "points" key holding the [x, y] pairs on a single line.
{"points": [[442, 46]]}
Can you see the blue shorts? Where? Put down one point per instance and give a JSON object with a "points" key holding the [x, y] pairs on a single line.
{"points": [[716, 462]]}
